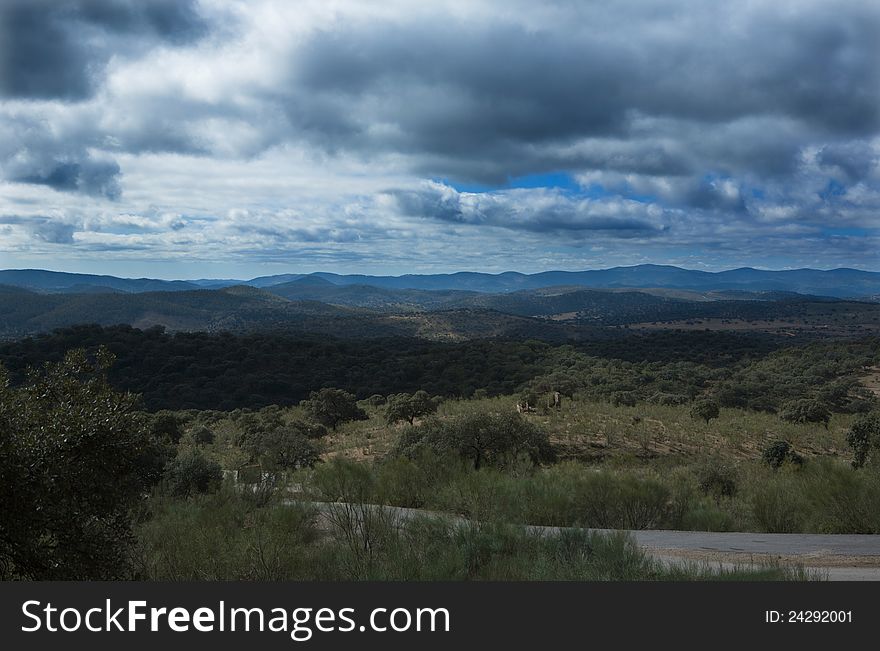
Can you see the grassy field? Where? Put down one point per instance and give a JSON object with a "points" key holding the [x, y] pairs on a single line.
{"points": [[598, 432], [631, 467]]}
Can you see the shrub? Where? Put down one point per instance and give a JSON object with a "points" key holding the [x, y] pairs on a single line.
{"points": [[224, 536], [717, 479], [401, 482], [706, 516], [864, 437], [623, 399], [570, 494], [191, 473], [343, 480], [843, 501], [779, 452], [705, 409], [308, 430], [805, 411], [672, 399], [202, 435], [779, 506], [485, 439], [166, 426]]}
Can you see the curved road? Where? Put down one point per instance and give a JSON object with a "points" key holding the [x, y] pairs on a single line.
{"points": [[840, 557]]}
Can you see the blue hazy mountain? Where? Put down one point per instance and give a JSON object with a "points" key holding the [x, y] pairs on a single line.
{"points": [[841, 283], [41, 280]]}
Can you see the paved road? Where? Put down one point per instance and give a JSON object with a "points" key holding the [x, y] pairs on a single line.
{"points": [[841, 557], [777, 544]]}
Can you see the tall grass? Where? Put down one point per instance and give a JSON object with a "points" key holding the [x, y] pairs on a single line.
{"points": [[227, 537], [821, 496]]}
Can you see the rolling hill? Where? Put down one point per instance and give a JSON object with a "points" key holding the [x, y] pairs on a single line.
{"points": [[840, 283]]}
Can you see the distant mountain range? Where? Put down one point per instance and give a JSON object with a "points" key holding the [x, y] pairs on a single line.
{"points": [[68, 283], [840, 283]]}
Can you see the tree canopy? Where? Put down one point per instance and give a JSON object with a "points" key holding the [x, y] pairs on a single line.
{"points": [[408, 407], [332, 407], [484, 439], [74, 456]]}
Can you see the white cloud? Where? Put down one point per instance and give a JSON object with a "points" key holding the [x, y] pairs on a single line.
{"points": [[308, 134]]}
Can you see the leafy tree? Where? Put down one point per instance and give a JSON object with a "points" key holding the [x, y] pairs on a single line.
{"points": [[485, 439], [864, 437], [403, 406], [167, 426], [778, 452], [281, 448], [203, 435], [75, 456], [805, 410], [192, 473], [705, 409], [331, 407]]}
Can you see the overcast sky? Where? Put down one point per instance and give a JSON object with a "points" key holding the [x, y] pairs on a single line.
{"points": [[221, 138]]}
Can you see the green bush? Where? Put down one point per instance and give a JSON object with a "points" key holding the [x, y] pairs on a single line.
{"points": [[779, 452], [191, 473], [623, 399], [778, 505], [842, 500], [864, 437], [717, 478], [342, 480], [805, 410], [224, 537], [166, 426], [484, 439], [202, 435], [706, 516], [705, 409], [402, 482]]}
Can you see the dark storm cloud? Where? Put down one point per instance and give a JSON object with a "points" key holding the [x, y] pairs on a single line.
{"points": [[43, 228], [96, 178], [58, 48], [31, 151], [853, 160], [482, 102]]}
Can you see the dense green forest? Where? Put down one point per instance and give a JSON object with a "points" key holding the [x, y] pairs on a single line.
{"points": [[226, 371]]}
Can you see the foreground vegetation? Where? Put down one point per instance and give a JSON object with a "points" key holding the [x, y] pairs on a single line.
{"points": [[230, 535], [96, 486]]}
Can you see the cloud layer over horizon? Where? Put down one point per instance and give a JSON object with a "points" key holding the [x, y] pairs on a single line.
{"points": [[183, 138]]}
